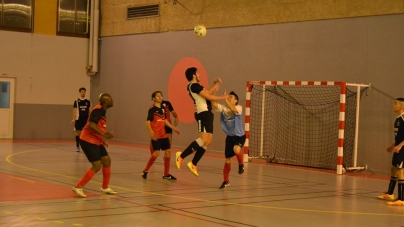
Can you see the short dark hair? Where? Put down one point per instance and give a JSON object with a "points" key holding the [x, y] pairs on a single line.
{"points": [[104, 96], [235, 95], [190, 72], [400, 99], [153, 95], [82, 88]]}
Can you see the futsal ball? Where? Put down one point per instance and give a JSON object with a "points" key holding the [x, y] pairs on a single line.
{"points": [[200, 31]]}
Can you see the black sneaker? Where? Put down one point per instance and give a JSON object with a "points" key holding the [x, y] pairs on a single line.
{"points": [[169, 177], [241, 169], [224, 184], [144, 175]]}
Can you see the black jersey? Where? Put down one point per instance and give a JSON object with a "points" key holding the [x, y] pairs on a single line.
{"points": [[83, 109], [201, 104], [399, 130]]}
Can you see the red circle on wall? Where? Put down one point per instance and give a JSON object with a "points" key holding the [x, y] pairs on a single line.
{"points": [[177, 88]]}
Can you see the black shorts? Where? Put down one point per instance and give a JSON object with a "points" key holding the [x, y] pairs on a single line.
{"points": [[398, 159], [79, 125], [205, 121], [161, 144], [93, 152], [168, 130], [232, 141]]}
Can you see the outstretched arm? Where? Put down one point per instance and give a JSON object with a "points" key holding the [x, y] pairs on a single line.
{"points": [[172, 127], [214, 86]]}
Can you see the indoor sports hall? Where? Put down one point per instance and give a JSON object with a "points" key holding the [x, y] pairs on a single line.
{"points": [[317, 81]]}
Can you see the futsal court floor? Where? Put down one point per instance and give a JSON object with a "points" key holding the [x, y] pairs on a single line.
{"points": [[36, 178]]}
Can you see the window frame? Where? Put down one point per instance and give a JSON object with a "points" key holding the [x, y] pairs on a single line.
{"points": [[73, 34], [7, 28]]}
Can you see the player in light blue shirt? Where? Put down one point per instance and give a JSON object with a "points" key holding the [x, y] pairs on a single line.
{"points": [[232, 124]]}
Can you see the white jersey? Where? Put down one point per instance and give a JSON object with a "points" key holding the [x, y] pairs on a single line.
{"points": [[201, 104]]}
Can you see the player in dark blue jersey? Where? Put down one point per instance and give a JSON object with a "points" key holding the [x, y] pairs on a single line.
{"points": [[203, 115], [397, 172], [81, 109]]}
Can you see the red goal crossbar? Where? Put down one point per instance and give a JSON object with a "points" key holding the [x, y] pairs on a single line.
{"points": [[342, 85]]}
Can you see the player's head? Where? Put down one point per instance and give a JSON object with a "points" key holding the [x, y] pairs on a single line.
{"points": [[106, 100], [233, 95], [190, 73], [157, 96], [399, 105], [82, 91]]}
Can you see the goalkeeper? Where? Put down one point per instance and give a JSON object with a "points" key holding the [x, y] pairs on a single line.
{"points": [[397, 172], [232, 125]]}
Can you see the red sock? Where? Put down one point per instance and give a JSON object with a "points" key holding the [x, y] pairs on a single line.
{"points": [[151, 149], [149, 163], [85, 179], [226, 171], [240, 156], [166, 165], [106, 175]]}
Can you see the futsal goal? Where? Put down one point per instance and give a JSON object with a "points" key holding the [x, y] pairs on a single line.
{"points": [[304, 123]]}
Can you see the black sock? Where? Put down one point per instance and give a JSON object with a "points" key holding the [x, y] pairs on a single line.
{"points": [[401, 190], [198, 155], [77, 141], [392, 185], [190, 149]]}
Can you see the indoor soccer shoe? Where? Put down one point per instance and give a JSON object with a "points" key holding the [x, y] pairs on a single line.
{"points": [[240, 169], [193, 168], [77, 149], [396, 203], [79, 192], [108, 191], [144, 175], [178, 159], [169, 177], [386, 197], [224, 184]]}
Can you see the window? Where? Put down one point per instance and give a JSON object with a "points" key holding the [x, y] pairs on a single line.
{"points": [[73, 18], [16, 15]]}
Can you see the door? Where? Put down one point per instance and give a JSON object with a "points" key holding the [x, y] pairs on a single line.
{"points": [[6, 107]]}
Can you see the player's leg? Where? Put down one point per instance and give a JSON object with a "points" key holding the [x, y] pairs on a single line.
{"points": [[389, 195], [78, 126], [156, 147], [169, 133], [398, 161], [238, 145], [92, 153], [228, 153], [167, 157], [106, 171]]}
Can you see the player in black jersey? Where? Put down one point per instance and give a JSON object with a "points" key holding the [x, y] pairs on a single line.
{"points": [[203, 115], [397, 172], [81, 108]]}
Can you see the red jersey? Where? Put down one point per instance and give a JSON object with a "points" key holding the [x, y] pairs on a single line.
{"points": [[97, 115], [157, 117]]}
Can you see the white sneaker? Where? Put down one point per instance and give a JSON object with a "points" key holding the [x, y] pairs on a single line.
{"points": [[108, 191], [79, 192]]}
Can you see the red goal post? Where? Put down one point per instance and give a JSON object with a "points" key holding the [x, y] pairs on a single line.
{"points": [[342, 106]]}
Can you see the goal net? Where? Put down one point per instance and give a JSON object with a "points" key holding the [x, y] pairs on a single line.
{"points": [[302, 123]]}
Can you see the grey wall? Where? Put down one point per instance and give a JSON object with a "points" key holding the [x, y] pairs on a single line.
{"points": [[358, 50]]}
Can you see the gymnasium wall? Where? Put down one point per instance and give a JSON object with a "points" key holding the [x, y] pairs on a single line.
{"points": [[49, 70], [357, 50]]}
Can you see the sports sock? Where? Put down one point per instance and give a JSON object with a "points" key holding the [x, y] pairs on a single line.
{"points": [[240, 158], [85, 179], [198, 155], [149, 163], [190, 149], [106, 175], [392, 185], [166, 165], [77, 141], [401, 190], [151, 149], [226, 171]]}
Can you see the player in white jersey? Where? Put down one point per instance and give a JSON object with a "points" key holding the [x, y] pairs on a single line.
{"points": [[232, 124], [203, 115]]}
